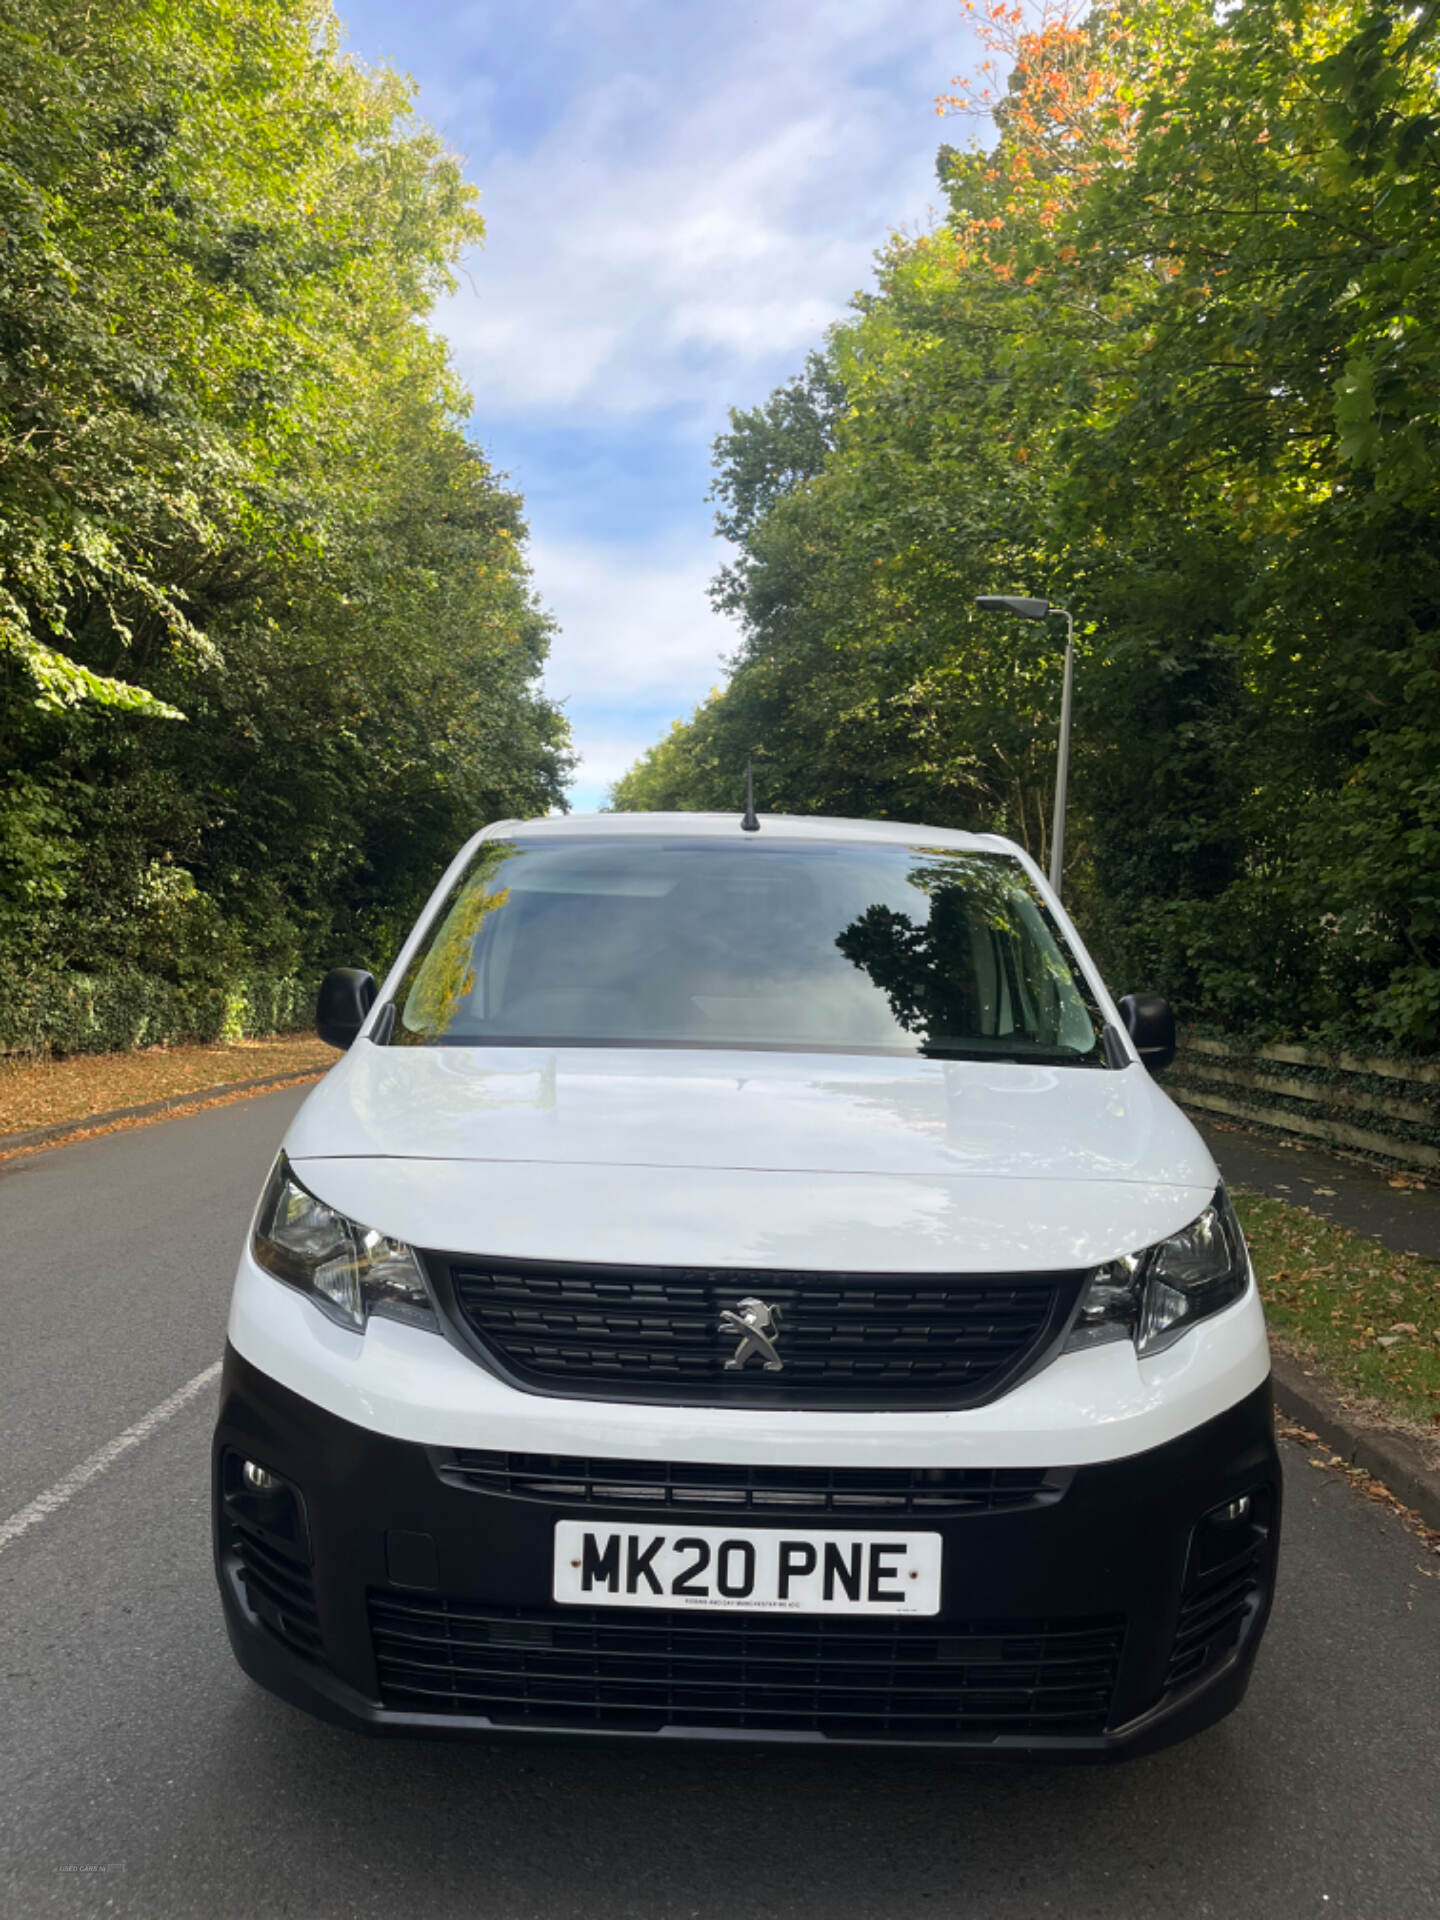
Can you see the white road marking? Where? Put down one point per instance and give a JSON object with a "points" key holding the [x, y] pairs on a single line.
{"points": [[53, 1498]]}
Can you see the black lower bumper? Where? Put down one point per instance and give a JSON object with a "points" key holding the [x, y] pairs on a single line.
{"points": [[1111, 1618]]}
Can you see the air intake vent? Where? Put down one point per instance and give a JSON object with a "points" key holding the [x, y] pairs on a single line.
{"points": [[871, 1680], [279, 1589], [265, 1550], [567, 1481], [1231, 1563]]}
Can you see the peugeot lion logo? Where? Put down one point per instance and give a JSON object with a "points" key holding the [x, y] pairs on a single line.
{"points": [[758, 1326]]}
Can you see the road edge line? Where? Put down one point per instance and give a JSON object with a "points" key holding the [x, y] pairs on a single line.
{"points": [[69, 1484]]}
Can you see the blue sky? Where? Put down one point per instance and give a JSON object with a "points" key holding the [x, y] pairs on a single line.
{"points": [[681, 195]]}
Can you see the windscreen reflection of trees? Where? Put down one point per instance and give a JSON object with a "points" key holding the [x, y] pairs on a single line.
{"points": [[930, 974], [445, 977]]}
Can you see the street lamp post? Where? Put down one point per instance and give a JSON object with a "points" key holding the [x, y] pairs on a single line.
{"points": [[1027, 609]]}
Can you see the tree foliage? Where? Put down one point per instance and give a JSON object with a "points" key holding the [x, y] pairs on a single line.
{"points": [[1172, 358], [267, 640]]}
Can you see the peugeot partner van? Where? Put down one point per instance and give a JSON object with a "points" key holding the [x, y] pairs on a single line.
{"points": [[747, 1284]]}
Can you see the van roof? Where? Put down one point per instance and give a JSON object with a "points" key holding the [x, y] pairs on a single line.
{"points": [[778, 826]]}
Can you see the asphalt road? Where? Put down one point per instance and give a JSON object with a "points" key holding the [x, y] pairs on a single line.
{"points": [[141, 1774]]}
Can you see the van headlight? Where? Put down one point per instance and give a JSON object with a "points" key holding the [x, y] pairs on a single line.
{"points": [[1154, 1296], [349, 1271]]}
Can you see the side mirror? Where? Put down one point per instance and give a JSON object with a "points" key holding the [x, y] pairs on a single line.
{"points": [[346, 996], [1151, 1025]]}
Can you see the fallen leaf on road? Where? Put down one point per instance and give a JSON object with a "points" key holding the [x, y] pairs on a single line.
{"points": [[1329, 1190], [1363, 1483]]}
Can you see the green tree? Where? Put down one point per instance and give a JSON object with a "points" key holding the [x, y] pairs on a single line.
{"points": [[268, 644], [1172, 357]]}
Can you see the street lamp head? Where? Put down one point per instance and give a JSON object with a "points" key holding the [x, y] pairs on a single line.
{"points": [[1014, 603]]}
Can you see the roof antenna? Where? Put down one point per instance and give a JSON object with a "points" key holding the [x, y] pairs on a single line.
{"points": [[750, 824]]}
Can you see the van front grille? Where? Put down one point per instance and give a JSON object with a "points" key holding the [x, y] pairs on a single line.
{"points": [[662, 1334]]}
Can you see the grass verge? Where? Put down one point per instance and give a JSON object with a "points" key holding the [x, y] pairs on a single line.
{"points": [[1370, 1317]]}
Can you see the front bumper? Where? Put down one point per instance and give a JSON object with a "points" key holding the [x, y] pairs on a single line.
{"points": [[1112, 1593]]}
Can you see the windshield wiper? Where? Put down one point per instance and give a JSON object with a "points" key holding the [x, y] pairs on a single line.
{"points": [[1013, 1056]]}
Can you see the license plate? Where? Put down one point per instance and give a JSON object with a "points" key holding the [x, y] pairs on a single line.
{"points": [[755, 1570]]}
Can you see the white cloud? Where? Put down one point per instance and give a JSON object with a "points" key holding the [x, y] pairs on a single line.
{"points": [[681, 236], [639, 644], [636, 627]]}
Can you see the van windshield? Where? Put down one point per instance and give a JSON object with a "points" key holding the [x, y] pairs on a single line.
{"points": [[813, 946]]}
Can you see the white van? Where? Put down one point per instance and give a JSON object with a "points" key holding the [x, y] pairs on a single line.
{"points": [[747, 1283]]}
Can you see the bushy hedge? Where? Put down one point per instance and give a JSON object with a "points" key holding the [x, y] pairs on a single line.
{"points": [[51, 1012]]}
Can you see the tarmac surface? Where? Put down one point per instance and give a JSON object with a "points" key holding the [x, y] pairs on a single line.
{"points": [[1405, 1218]]}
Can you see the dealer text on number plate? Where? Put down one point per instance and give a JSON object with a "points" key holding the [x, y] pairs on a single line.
{"points": [[763, 1570]]}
